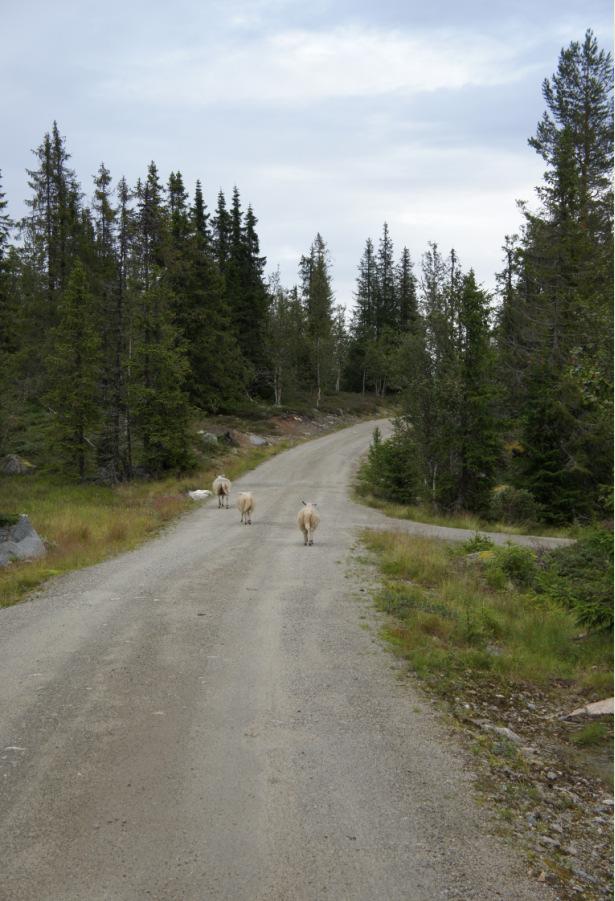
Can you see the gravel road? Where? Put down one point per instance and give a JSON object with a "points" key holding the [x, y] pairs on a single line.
{"points": [[207, 717]]}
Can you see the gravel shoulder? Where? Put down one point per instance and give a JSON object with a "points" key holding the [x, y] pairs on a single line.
{"points": [[207, 717]]}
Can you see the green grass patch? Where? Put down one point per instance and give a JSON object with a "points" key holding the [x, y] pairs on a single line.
{"points": [[591, 735], [452, 616]]}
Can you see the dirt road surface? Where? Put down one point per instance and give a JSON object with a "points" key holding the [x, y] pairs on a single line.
{"points": [[206, 718]]}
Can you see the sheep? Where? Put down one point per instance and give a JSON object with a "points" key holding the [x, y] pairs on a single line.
{"points": [[222, 489], [307, 520], [245, 505]]}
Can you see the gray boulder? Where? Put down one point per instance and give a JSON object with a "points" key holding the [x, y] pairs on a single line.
{"points": [[257, 441], [208, 437], [20, 541], [12, 465]]}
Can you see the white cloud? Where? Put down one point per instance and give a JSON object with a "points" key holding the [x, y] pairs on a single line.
{"points": [[303, 66]]}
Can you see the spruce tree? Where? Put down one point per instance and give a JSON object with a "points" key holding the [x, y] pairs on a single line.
{"points": [[285, 340], [74, 374], [104, 278], [385, 299], [317, 297], [200, 216], [221, 230], [563, 298], [362, 328], [157, 396], [479, 449], [406, 293], [217, 372]]}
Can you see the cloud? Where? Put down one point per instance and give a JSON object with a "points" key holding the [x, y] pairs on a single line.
{"points": [[300, 66]]}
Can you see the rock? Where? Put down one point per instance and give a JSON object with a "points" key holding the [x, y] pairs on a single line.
{"points": [[232, 437], [12, 465], [208, 438], [199, 494], [598, 708], [503, 731], [257, 441], [549, 842], [586, 877], [20, 542]]}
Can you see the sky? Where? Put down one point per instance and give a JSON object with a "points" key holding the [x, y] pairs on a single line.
{"points": [[330, 116]]}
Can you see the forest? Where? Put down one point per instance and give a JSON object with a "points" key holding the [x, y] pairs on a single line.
{"points": [[127, 310]]}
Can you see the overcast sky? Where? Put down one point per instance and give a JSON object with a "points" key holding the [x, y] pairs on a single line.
{"points": [[329, 115]]}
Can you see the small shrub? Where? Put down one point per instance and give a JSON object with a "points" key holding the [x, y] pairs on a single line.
{"points": [[580, 577], [514, 505], [477, 543], [519, 564]]}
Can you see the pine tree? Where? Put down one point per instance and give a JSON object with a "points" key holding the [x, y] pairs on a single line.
{"points": [[74, 373], [246, 291], [285, 340], [562, 305], [158, 365], [317, 298], [221, 228], [406, 293], [385, 299], [104, 278], [479, 449], [161, 409], [217, 372], [340, 344], [200, 216], [51, 229], [362, 327], [5, 224]]}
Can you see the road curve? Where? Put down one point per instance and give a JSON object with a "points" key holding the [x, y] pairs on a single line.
{"points": [[207, 718]]}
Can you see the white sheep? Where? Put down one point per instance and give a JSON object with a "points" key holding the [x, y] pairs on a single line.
{"points": [[307, 520], [222, 490], [245, 505]]}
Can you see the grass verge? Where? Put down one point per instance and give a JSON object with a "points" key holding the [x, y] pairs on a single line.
{"points": [[506, 660], [461, 520]]}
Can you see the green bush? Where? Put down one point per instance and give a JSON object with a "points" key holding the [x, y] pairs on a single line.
{"points": [[477, 543], [580, 577], [519, 564], [513, 505], [391, 471], [511, 563]]}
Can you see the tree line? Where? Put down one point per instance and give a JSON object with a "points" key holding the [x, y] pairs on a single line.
{"points": [[519, 390], [122, 316]]}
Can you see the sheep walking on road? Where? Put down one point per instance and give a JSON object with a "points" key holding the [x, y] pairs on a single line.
{"points": [[245, 505], [307, 520], [222, 490]]}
